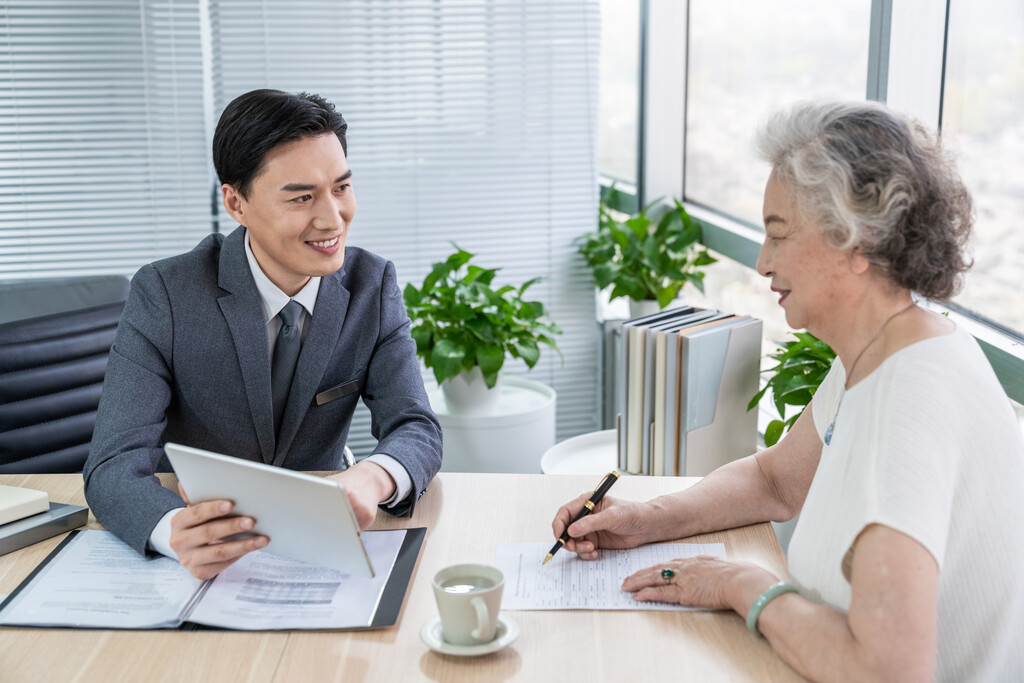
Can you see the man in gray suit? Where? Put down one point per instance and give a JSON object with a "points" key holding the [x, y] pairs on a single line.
{"points": [[259, 344]]}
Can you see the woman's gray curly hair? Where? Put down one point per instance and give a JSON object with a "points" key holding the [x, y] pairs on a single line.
{"points": [[877, 182]]}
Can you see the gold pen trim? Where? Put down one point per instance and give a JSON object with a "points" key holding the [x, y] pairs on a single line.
{"points": [[589, 505]]}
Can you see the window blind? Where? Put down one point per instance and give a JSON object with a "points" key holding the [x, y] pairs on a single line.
{"points": [[471, 121], [103, 158]]}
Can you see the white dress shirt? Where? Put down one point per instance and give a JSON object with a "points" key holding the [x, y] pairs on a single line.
{"points": [[273, 300]]}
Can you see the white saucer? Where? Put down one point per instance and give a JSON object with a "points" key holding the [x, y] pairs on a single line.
{"points": [[430, 634]]}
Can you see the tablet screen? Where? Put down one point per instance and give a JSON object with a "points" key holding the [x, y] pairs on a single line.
{"points": [[306, 518]]}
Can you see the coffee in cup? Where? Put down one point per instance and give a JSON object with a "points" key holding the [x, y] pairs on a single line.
{"points": [[468, 600]]}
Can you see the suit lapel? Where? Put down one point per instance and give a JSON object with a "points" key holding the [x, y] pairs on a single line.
{"points": [[243, 312], [317, 351]]}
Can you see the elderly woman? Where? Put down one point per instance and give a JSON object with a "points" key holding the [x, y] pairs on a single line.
{"points": [[908, 468]]}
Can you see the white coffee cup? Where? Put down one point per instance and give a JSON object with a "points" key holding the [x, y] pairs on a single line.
{"points": [[468, 599]]}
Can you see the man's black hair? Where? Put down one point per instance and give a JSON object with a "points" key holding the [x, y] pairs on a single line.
{"points": [[260, 120]]}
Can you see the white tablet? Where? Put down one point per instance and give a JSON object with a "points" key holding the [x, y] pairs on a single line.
{"points": [[306, 518]]}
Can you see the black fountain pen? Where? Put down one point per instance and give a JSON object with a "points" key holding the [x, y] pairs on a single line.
{"points": [[588, 507]]}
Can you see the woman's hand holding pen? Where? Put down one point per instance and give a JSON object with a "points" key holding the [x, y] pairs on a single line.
{"points": [[613, 524]]}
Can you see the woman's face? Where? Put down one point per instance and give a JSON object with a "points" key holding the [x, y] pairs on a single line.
{"points": [[809, 276]]}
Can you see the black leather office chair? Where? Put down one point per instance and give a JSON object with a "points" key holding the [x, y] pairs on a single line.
{"points": [[51, 369]]}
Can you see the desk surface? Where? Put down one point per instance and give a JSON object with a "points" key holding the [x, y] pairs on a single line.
{"points": [[582, 645]]}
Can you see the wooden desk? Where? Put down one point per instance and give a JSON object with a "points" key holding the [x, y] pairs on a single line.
{"points": [[467, 515]]}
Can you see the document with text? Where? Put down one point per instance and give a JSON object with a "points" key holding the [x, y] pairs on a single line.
{"points": [[567, 582], [96, 581]]}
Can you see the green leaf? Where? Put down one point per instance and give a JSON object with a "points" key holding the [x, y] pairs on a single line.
{"points": [[621, 237], [652, 248], [666, 295], [527, 350], [800, 397], [411, 295], [529, 283], [757, 398], [773, 432], [697, 279], [439, 272], [605, 274], [531, 310], [629, 283], [704, 259], [670, 222], [490, 358], [472, 273], [691, 234], [421, 335], [447, 357], [780, 404], [458, 259], [490, 379], [639, 225], [482, 329]]}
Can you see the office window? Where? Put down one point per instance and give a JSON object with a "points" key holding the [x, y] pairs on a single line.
{"points": [[747, 59], [473, 121], [620, 87], [103, 161], [983, 120]]}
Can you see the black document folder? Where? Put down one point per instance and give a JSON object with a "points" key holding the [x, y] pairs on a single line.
{"points": [[188, 595]]}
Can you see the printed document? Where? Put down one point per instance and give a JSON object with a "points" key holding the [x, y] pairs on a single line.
{"points": [[99, 582], [567, 582]]}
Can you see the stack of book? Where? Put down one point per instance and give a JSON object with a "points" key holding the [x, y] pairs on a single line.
{"points": [[683, 380], [27, 516]]}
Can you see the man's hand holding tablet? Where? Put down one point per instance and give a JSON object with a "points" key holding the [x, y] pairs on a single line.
{"points": [[200, 533], [293, 514], [366, 484]]}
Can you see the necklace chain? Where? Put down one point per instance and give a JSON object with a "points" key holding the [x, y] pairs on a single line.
{"points": [[832, 425]]}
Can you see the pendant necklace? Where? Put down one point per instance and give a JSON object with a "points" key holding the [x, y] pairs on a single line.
{"points": [[832, 425]]}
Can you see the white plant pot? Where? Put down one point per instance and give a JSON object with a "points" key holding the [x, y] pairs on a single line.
{"points": [[468, 394], [644, 307]]}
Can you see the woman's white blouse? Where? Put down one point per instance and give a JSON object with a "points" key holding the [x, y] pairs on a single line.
{"points": [[928, 445]]}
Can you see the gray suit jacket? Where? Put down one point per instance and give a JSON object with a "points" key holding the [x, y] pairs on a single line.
{"points": [[190, 364]]}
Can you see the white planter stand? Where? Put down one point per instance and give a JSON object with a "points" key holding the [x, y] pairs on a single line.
{"points": [[511, 439], [591, 453]]}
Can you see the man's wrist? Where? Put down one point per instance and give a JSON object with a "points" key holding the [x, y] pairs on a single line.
{"points": [[379, 478]]}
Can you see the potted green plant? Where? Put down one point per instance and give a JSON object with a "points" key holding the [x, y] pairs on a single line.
{"points": [[644, 259], [464, 328], [802, 365]]}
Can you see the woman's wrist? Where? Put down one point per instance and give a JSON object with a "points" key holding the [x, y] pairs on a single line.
{"points": [[776, 590], [668, 518], [749, 583], [661, 517]]}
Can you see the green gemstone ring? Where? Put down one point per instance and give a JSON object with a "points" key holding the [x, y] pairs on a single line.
{"points": [[667, 575]]}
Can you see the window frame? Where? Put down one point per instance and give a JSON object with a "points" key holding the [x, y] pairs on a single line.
{"points": [[907, 50]]}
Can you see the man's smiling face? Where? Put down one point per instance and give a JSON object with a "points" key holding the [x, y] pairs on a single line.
{"points": [[298, 211]]}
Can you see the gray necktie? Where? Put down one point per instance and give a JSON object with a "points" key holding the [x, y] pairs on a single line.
{"points": [[286, 353]]}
